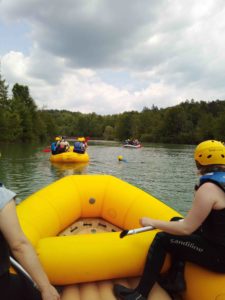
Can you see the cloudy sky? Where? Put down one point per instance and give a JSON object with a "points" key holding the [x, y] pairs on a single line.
{"points": [[111, 56]]}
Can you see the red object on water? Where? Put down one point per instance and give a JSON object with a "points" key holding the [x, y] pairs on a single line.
{"points": [[46, 150]]}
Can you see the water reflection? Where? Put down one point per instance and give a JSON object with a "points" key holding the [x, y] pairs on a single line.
{"points": [[64, 169]]}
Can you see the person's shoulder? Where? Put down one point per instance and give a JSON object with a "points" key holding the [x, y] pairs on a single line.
{"points": [[6, 195], [206, 187], [209, 193]]}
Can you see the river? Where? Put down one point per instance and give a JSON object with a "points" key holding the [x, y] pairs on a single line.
{"points": [[165, 171]]}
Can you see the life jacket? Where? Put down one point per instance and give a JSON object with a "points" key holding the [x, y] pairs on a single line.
{"points": [[4, 253], [213, 227], [215, 177], [53, 147], [79, 147]]}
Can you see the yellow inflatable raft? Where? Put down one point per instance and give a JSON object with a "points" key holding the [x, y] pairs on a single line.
{"points": [[70, 157], [66, 223]]}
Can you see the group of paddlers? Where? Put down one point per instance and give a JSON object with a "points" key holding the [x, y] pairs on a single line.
{"points": [[61, 145], [133, 142]]}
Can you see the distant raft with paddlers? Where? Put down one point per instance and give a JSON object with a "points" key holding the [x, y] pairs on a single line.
{"points": [[132, 146], [132, 143], [75, 225]]}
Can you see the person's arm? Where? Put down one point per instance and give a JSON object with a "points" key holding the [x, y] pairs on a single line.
{"points": [[24, 252], [204, 200]]}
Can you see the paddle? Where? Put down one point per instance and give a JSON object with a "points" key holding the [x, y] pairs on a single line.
{"points": [[47, 149], [22, 271], [134, 231]]}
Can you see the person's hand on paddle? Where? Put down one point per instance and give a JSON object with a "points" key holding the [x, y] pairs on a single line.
{"points": [[145, 221], [49, 293]]}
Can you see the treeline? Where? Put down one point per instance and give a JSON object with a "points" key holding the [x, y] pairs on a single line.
{"points": [[187, 123]]}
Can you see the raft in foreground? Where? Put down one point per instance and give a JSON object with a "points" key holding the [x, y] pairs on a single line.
{"points": [[70, 205]]}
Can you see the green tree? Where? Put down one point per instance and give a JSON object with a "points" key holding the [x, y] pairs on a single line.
{"points": [[3, 93], [219, 127], [123, 126], [205, 128], [4, 109], [109, 133], [12, 128], [25, 107]]}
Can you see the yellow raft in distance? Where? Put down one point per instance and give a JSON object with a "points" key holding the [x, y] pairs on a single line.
{"points": [[70, 157], [71, 203]]}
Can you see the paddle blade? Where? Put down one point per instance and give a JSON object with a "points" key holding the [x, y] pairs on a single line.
{"points": [[46, 150], [123, 233]]}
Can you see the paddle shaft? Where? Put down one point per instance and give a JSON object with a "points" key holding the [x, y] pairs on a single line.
{"points": [[141, 229], [21, 270], [134, 231]]}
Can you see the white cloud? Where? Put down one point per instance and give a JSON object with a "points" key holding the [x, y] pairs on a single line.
{"points": [[163, 52]]}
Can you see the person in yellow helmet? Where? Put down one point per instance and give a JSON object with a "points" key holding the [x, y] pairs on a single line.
{"points": [[80, 145], [199, 238], [55, 146]]}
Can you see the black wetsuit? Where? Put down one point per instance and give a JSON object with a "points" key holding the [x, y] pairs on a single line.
{"points": [[205, 247]]}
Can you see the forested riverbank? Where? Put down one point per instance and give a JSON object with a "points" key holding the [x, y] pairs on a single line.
{"points": [[187, 123]]}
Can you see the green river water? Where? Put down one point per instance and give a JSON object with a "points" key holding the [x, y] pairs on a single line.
{"points": [[166, 171]]}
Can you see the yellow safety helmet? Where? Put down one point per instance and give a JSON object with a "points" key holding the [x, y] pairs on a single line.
{"points": [[81, 139], [210, 152], [58, 138]]}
